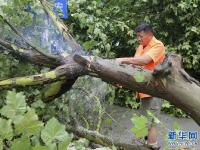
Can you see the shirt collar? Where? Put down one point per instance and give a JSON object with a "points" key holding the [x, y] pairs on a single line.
{"points": [[150, 44], [152, 41]]}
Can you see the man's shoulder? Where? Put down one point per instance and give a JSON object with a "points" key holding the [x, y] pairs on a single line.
{"points": [[157, 42], [139, 48]]}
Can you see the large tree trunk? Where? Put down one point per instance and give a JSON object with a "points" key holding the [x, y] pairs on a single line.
{"points": [[98, 138], [168, 81]]}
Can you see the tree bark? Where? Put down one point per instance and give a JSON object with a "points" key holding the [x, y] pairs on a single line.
{"points": [[98, 138], [62, 28], [68, 71], [56, 89], [168, 81], [31, 55]]}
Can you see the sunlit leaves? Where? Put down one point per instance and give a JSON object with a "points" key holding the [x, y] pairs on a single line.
{"points": [[21, 144], [171, 109], [140, 128], [1, 144], [6, 131], [54, 132], [16, 10], [99, 37], [28, 124], [15, 105], [80, 144], [150, 114], [139, 77], [103, 148], [24, 130], [39, 147]]}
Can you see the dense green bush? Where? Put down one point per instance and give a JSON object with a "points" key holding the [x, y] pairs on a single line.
{"points": [[106, 28], [20, 127]]}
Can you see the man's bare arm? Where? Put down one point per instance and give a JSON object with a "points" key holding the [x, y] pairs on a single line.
{"points": [[140, 60]]}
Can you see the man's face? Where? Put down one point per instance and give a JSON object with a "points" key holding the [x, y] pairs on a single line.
{"points": [[144, 37]]}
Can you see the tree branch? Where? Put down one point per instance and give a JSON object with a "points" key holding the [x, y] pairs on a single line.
{"points": [[32, 55], [103, 140], [38, 50], [56, 89], [172, 87], [68, 71], [62, 28]]}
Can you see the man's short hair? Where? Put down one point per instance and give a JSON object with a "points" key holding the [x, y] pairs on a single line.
{"points": [[146, 27]]}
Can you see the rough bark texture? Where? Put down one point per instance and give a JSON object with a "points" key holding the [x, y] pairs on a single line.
{"points": [[169, 81], [31, 55], [68, 71], [98, 138]]}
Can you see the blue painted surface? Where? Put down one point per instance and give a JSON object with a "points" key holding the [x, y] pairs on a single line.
{"points": [[63, 8]]}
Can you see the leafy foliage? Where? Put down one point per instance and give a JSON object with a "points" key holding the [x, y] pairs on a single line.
{"points": [[98, 27], [107, 27], [21, 144], [139, 77], [140, 128], [15, 105], [171, 109], [99, 23], [28, 124], [150, 114], [54, 133], [6, 130], [22, 125]]}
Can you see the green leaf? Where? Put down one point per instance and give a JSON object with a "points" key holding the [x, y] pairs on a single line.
{"points": [[139, 77], [28, 124], [52, 89], [108, 47], [103, 148], [15, 105], [52, 146], [80, 144], [38, 104], [21, 144], [140, 125], [166, 104], [39, 147], [54, 132], [108, 122], [156, 120], [6, 131], [1, 144], [63, 145], [89, 44]]}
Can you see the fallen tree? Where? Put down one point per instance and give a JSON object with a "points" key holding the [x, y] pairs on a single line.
{"points": [[168, 81]]}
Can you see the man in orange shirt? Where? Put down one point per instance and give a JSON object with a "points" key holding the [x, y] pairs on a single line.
{"points": [[150, 53]]}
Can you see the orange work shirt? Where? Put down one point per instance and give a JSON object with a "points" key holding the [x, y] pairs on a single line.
{"points": [[156, 50]]}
